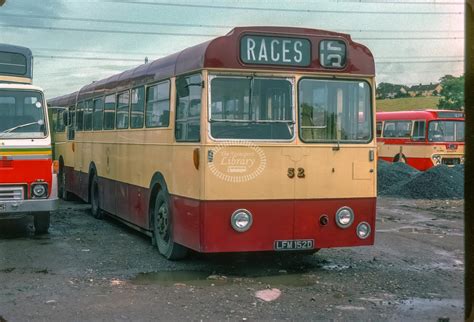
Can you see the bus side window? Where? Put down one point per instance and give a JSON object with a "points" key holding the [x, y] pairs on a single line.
{"points": [[80, 116], [379, 129], [419, 130], [137, 107], [109, 112], [72, 123], [98, 113], [123, 102], [188, 108], [88, 115], [60, 126], [389, 129], [158, 105]]}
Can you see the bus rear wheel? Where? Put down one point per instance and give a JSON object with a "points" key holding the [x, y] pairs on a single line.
{"points": [[41, 222], [163, 229], [95, 198]]}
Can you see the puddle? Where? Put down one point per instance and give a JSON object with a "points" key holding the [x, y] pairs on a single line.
{"points": [[199, 278], [335, 267], [169, 278], [431, 304]]}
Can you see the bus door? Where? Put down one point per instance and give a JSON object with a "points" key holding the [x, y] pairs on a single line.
{"points": [[337, 158], [69, 147], [251, 166]]}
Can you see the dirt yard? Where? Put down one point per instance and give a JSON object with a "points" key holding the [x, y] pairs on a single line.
{"points": [[87, 269]]}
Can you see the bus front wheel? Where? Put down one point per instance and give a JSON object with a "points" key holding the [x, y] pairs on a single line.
{"points": [[163, 229], [41, 222]]}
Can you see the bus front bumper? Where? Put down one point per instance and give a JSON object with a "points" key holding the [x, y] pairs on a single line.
{"points": [[13, 208]]}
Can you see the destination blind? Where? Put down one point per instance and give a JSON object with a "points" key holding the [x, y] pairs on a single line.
{"points": [[268, 50]]}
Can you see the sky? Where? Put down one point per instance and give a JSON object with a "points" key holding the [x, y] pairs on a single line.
{"points": [[76, 42]]}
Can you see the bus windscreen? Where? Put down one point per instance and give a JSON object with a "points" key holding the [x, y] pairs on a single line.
{"points": [[446, 131], [13, 64], [251, 108], [21, 115], [334, 111]]}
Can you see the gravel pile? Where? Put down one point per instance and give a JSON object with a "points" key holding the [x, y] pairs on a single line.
{"points": [[401, 180], [391, 174]]}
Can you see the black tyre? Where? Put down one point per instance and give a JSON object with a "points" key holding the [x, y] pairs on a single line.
{"points": [[95, 198], [41, 222], [163, 227], [62, 192], [400, 158]]}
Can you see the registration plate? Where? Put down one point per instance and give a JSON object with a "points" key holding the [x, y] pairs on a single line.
{"points": [[3, 207], [295, 244]]}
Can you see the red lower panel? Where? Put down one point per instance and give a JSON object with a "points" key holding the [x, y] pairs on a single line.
{"points": [[307, 221], [26, 172], [421, 164], [205, 225], [126, 201]]}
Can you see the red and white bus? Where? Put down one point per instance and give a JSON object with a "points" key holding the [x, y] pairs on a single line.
{"points": [[27, 179], [422, 139], [259, 140]]}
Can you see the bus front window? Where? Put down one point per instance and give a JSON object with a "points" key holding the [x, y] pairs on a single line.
{"points": [[334, 111], [253, 108], [21, 114], [446, 131]]}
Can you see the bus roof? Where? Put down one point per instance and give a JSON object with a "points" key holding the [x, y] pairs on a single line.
{"points": [[223, 52], [15, 64], [428, 115]]}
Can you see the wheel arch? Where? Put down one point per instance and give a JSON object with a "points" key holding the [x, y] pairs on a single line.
{"points": [[157, 184], [399, 156], [92, 172]]}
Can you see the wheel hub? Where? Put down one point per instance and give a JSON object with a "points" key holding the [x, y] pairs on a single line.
{"points": [[162, 223]]}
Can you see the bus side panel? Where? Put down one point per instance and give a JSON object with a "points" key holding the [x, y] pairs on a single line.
{"points": [[272, 220], [73, 180], [308, 226], [138, 206], [186, 222], [107, 197]]}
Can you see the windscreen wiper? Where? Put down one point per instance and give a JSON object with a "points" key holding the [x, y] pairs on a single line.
{"points": [[39, 122]]}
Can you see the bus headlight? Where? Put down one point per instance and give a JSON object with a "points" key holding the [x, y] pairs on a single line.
{"points": [[436, 159], [241, 220], [363, 230], [344, 217], [39, 190]]}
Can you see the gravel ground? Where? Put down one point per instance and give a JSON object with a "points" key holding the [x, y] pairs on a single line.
{"points": [[87, 269]]}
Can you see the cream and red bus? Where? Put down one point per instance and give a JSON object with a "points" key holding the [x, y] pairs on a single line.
{"points": [[27, 179], [259, 140], [422, 139]]}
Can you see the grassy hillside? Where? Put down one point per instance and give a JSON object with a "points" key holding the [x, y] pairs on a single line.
{"points": [[409, 103]]}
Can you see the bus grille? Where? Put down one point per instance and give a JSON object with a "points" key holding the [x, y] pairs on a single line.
{"points": [[451, 161], [11, 193]]}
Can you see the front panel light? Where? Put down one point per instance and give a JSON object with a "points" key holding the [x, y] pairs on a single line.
{"points": [[241, 220], [344, 217], [39, 190], [363, 230]]}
